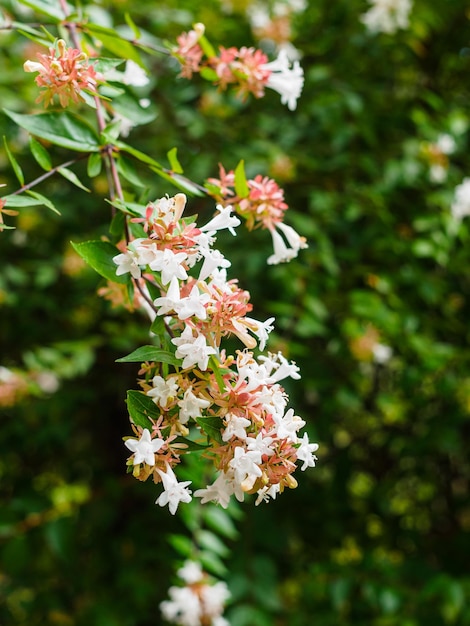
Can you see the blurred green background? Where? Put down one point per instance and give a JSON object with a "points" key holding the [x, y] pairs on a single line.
{"points": [[378, 533]]}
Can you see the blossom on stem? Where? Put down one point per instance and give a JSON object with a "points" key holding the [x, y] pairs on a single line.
{"points": [[145, 448], [286, 80], [387, 16], [460, 207], [174, 492], [193, 349], [64, 72]]}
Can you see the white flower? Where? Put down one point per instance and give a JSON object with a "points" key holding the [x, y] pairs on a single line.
{"points": [[193, 350], [127, 262], [170, 264], [245, 465], [287, 81], [282, 253], [193, 305], [305, 452], [266, 493], [144, 449], [437, 173], [219, 492], [381, 353], [460, 207], [236, 427], [213, 599], [261, 330], [183, 608], [288, 425], [224, 219], [171, 301], [213, 260], [191, 572], [387, 16], [446, 143], [261, 444], [163, 391], [191, 405], [174, 492], [135, 75]]}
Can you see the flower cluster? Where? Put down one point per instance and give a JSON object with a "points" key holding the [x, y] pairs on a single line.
{"points": [[64, 72], [199, 603], [263, 206], [235, 406], [247, 69], [387, 16]]}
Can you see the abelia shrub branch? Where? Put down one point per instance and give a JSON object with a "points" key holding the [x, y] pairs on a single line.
{"points": [[247, 69]]}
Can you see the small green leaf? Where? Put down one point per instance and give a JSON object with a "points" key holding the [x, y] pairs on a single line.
{"points": [[241, 186], [206, 47], [62, 129], [105, 64], [113, 42], [132, 25], [99, 255], [173, 159], [209, 74], [218, 376], [220, 521], [40, 153], [94, 164], [192, 446], [211, 426], [72, 177], [180, 182], [46, 7], [21, 201], [127, 171], [141, 408], [211, 542], [43, 200], [14, 163], [150, 353]]}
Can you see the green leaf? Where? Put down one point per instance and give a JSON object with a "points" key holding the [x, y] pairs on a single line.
{"points": [[62, 129], [113, 42], [211, 542], [150, 353], [127, 171], [207, 47], [173, 159], [218, 376], [140, 156], [132, 25], [192, 446], [14, 163], [179, 182], [99, 255], [14, 202], [94, 164], [40, 153], [209, 74], [72, 177], [213, 564], [105, 64], [211, 427], [241, 186], [141, 408], [51, 8], [43, 200]]}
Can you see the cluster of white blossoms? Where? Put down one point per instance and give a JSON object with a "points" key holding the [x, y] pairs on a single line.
{"points": [[387, 16], [199, 603], [460, 207], [235, 405]]}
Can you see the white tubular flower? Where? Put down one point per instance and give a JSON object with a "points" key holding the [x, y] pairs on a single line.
{"points": [[127, 262], [144, 449], [267, 493], [213, 260], [182, 608], [219, 492], [170, 264], [171, 301], [193, 350], [293, 238], [387, 16], [446, 143], [163, 391], [260, 444], [288, 425], [287, 81], [236, 427], [191, 572], [305, 452], [193, 305], [224, 219], [245, 465], [174, 492], [261, 330], [213, 598], [191, 405], [282, 253]]}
